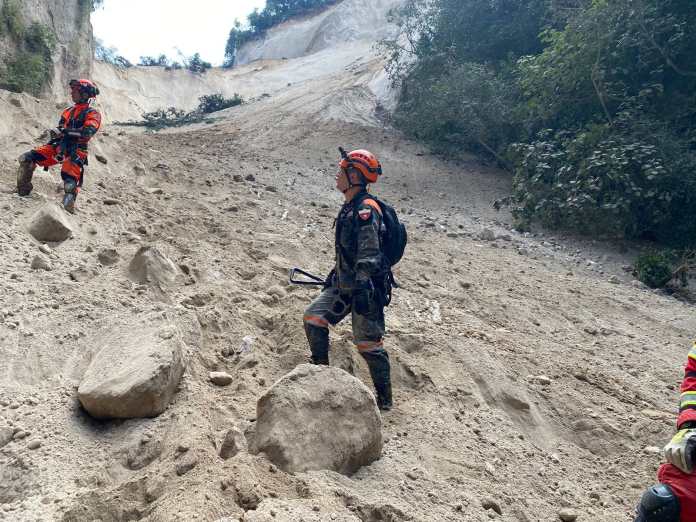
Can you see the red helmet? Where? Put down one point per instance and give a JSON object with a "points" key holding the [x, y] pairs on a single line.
{"points": [[86, 87], [363, 161]]}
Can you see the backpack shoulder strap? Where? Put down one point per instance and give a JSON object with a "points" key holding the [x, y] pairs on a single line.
{"points": [[369, 200]]}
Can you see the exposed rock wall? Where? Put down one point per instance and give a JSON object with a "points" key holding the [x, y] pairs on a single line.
{"points": [[69, 20], [348, 21]]}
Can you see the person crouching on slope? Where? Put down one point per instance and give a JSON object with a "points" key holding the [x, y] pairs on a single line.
{"points": [[674, 498], [350, 287], [78, 124]]}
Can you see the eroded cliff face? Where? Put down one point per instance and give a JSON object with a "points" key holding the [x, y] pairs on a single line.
{"points": [[347, 22], [68, 21]]}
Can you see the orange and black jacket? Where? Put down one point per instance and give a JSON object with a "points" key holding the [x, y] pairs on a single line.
{"points": [[82, 119]]}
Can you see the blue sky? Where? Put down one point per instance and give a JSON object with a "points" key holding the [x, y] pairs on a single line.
{"points": [[151, 27]]}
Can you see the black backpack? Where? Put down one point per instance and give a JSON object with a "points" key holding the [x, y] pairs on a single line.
{"points": [[395, 237]]}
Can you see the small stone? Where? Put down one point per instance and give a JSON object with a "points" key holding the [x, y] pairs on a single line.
{"points": [[652, 450], [19, 435], [250, 177], [111, 202], [46, 249], [101, 159], [271, 188], [41, 263], [568, 515], [34, 444], [237, 178], [487, 235], [465, 285], [489, 503], [232, 444], [542, 379], [188, 462], [5, 435], [220, 378], [614, 280], [108, 256]]}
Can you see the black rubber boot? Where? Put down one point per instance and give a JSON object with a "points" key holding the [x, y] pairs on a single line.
{"points": [[380, 371], [24, 177], [318, 343]]}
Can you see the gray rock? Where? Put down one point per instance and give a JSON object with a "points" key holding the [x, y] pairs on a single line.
{"points": [[101, 159], [318, 417], [490, 503], [542, 379], [5, 435], [34, 444], [568, 515], [41, 263], [150, 266], [220, 378], [487, 235], [186, 463], [108, 256], [135, 371], [233, 443], [51, 224]]}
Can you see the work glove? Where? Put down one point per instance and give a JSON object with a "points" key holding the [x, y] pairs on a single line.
{"points": [[680, 450], [362, 297]]}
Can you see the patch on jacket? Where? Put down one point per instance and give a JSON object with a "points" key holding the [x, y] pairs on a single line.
{"points": [[365, 213]]}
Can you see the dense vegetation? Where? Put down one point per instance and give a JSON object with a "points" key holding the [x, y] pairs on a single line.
{"points": [[258, 22], [31, 68], [173, 117], [590, 103]]}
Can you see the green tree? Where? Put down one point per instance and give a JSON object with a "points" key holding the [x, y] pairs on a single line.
{"points": [[590, 103]]}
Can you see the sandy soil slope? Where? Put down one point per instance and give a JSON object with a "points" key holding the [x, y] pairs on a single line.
{"points": [[531, 374]]}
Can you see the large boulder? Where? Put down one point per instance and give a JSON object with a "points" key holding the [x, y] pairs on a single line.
{"points": [[134, 373], [50, 224], [318, 417], [150, 266]]}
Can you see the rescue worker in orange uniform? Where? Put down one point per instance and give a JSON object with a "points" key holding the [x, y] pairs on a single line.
{"points": [[674, 498], [78, 124], [351, 288]]}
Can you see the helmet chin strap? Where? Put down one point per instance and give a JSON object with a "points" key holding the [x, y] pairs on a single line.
{"points": [[351, 184]]}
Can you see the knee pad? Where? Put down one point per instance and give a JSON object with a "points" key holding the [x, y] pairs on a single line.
{"points": [[70, 187], [658, 504]]}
